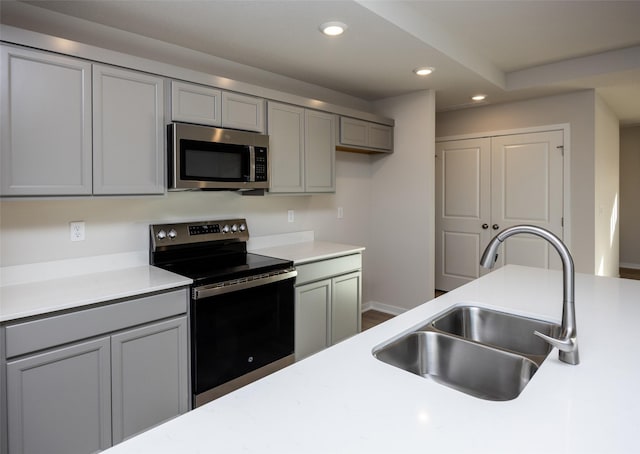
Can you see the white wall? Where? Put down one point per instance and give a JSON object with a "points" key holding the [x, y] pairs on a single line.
{"points": [[578, 110], [629, 196], [387, 200], [400, 263], [607, 171]]}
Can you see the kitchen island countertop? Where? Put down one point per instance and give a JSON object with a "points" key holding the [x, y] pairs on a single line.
{"points": [[343, 400]]}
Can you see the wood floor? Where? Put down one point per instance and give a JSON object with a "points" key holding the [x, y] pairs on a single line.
{"points": [[630, 273], [372, 318]]}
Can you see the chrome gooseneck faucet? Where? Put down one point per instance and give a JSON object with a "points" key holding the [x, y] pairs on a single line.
{"points": [[568, 342]]}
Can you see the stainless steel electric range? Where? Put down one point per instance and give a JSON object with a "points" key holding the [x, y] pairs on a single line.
{"points": [[242, 304]]}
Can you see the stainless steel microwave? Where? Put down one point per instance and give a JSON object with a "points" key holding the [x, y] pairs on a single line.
{"points": [[204, 157]]}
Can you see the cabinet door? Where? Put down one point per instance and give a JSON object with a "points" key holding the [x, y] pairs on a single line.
{"points": [[380, 136], [345, 306], [313, 305], [286, 148], [128, 132], [320, 151], [150, 376], [243, 112], [60, 402], [45, 123], [353, 132], [195, 104]]}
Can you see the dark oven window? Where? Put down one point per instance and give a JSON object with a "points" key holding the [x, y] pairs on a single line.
{"points": [[210, 161], [237, 332]]}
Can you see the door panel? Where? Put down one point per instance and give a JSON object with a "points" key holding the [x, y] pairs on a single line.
{"points": [[462, 207], [486, 185], [462, 256], [527, 188]]}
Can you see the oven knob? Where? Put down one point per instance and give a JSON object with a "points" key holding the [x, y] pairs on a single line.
{"points": [[243, 227], [234, 228], [225, 229], [172, 233], [161, 235]]}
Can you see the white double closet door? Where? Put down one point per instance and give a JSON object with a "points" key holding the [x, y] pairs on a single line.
{"points": [[487, 184]]}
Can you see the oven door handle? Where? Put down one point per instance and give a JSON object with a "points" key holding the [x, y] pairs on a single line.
{"points": [[206, 291]]}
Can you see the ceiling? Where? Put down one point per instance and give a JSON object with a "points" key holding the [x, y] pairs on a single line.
{"points": [[508, 50]]}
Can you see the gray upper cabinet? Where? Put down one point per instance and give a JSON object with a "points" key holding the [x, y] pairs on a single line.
{"points": [[66, 132], [365, 135], [197, 104], [128, 132], [320, 151], [45, 120], [302, 149], [286, 148], [243, 112]]}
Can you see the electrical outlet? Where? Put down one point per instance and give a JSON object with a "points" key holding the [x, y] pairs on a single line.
{"points": [[290, 216], [76, 230]]}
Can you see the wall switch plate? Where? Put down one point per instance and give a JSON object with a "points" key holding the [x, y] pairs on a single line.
{"points": [[76, 230], [290, 216], [340, 213]]}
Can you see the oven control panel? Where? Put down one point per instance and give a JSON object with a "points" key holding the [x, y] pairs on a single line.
{"points": [[198, 232]]}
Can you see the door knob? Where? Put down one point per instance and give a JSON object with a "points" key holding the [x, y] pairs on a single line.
{"points": [[485, 226], [495, 226]]}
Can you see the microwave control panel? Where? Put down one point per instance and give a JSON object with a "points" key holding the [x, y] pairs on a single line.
{"points": [[261, 164]]}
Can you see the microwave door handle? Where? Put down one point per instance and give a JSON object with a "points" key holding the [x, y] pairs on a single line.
{"points": [[252, 163]]}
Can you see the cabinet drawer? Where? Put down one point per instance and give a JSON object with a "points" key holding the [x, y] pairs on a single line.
{"points": [[34, 335], [327, 268]]}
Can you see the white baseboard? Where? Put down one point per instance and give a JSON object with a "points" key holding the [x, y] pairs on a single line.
{"points": [[381, 307], [634, 266]]}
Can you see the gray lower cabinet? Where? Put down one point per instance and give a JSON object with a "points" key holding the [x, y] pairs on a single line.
{"points": [[84, 381], [149, 376], [313, 305], [328, 299], [59, 402], [345, 306]]}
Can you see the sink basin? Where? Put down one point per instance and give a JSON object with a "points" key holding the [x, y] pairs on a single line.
{"points": [[472, 368], [499, 329]]}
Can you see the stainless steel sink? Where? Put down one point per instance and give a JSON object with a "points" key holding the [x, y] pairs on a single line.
{"points": [[472, 368], [499, 329]]}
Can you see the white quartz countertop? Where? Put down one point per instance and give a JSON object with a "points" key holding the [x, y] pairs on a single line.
{"points": [[309, 251], [343, 400], [41, 297]]}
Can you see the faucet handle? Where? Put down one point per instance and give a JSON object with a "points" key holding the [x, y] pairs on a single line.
{"points": [[568, 346]]}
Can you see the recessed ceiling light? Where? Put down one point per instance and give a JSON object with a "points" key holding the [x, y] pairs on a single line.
{"points": [[479, 97], [423, 71], [333, 28]]}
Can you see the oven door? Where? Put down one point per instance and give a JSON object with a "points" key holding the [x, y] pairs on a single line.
{"points": [[238, 330]]}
